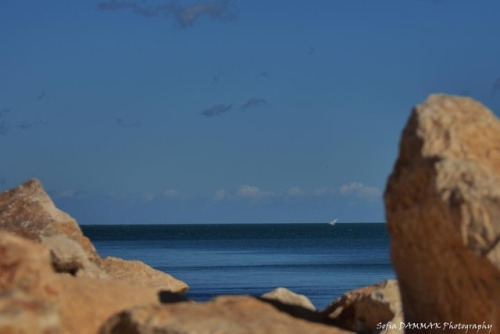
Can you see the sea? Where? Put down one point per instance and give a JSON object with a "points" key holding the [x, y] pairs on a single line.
{"points": [[320, 261]]}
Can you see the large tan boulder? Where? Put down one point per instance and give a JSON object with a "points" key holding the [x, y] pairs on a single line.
{"points": [[235, 315], [78, 304], [138, 273], [371, 309], [443, 213], [29, 212]]}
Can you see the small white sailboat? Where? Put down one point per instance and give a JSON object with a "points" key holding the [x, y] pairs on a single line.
{"points": [[333, 222]]}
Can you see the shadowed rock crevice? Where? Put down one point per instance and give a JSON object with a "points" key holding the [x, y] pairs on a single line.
{"points": [[297, 311], [121, 324], [167, 297]]}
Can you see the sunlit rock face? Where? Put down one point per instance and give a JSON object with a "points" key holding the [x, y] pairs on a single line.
{"points": [[51, 278], [370, 309], [139, 273], [51, 302], [288, 297], [29, 212], [443, 212], [226, 314]]}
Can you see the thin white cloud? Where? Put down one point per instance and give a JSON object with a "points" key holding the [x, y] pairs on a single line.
{"points": [[323, 191], [358, 189], [221, 195], [174, 194], [254, 193], [244, 192], [295, 191], [167, 194], [149, 197], [248, 191]]}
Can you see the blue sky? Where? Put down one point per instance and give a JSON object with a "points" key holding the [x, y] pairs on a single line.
{"points": [[142, 111]]}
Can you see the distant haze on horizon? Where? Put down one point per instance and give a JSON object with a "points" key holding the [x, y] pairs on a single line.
{"points": [[158, 111]]}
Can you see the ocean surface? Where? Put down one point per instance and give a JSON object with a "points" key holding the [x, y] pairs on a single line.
{"points": [[318, 260]]}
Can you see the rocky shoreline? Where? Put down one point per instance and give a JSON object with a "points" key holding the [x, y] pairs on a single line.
{"points": [[443, 212]]}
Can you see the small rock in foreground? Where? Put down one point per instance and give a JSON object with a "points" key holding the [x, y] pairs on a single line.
{"points": [[289, 297], [227, 314], [367, 309]]}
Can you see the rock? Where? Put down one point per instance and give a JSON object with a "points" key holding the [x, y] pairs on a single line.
{"points": [[23, 314], [368, 309], [52, 279], [25, 266], [82, 304], [67, 256], [86, 303], [443, 212], [288, 297], [235, 315], [29, 212], [138, 273]]}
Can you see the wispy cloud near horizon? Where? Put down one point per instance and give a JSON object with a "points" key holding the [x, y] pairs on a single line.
{"points": [[252, 103], [167, 194], [216, 110], [185, 15], [358, 189], [256, 194]]}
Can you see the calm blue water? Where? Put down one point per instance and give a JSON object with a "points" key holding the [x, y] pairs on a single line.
{"points": [[317, 260]]}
